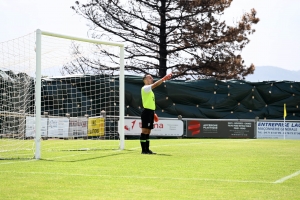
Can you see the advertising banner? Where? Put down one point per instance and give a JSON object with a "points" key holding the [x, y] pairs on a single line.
{"points": [[220, 129], [58, 127], [78, 127], [96, 126], [161, 128], [278, 130], [30, 127]]}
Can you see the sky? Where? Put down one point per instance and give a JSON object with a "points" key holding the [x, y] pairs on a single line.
{"points": [[276, 41]]}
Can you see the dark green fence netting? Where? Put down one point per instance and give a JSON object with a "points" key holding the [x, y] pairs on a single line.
{"points": [[208, 99], [213, 99]]}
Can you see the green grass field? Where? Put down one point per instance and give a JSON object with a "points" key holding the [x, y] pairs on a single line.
{"points": [[182, 169]]}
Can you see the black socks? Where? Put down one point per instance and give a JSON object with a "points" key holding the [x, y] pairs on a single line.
{"points": [[143, 140], [145, 143]]}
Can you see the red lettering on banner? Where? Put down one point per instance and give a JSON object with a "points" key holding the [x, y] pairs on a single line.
{"points": [[133, 122], [157, 125]]}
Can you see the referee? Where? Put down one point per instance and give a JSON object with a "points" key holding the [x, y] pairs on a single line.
{"points": [[147, 116]]}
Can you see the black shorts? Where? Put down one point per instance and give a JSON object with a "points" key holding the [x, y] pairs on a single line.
{"points": [[147, 118]]}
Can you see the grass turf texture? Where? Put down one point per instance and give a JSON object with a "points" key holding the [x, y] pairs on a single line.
{"points": [[182, 169]]}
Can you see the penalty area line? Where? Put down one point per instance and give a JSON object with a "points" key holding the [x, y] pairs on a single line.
{"points": [[287, 177], [139, 177]]}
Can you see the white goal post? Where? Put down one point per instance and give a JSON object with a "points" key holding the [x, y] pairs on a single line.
{"points": [[39, 41]]}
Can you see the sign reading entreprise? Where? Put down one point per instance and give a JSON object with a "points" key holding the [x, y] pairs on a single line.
{"points": [[278, 130]]}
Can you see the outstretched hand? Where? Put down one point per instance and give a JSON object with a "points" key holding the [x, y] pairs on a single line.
{"points": [[167, 77]]}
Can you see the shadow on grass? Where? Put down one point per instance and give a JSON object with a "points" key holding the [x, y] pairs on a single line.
{"points": [[22, 159], [163, 154], [61, 158], [157, 154]]}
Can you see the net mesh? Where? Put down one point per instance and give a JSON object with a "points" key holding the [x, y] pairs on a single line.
{"points": [[79, 96]]}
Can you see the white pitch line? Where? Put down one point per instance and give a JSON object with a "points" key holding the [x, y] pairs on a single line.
{"points": [[287, 177], [6, 163], [141, 177]]}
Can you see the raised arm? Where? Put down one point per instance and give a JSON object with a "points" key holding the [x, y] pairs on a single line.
{"points": [[157, 83]]}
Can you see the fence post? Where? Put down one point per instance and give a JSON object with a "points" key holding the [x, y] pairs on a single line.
{"points": [[255, 127]]}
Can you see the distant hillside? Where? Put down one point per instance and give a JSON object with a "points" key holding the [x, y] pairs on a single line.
{"points": [[268, 73]]}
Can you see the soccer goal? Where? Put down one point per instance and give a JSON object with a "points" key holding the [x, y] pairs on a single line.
{"points": [[60, 93]]}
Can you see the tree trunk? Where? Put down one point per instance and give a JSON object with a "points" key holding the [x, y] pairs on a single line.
{"points": [[162, 41]]}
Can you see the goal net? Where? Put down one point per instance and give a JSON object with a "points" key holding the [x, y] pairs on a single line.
{"points": [[60, 94]]}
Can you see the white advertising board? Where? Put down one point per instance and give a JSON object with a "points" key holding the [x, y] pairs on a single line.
{"points": [[161, 128], [30, 127], [78, 127], [58, 127], [278, 130]]}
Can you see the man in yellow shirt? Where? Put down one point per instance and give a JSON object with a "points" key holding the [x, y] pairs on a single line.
{"points": [[147, 116]]}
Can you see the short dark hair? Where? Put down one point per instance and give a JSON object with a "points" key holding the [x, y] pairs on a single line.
{"points": [[145, 76]]}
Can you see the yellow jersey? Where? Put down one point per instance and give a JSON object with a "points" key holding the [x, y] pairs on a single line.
{"points": [[148, 97]]}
